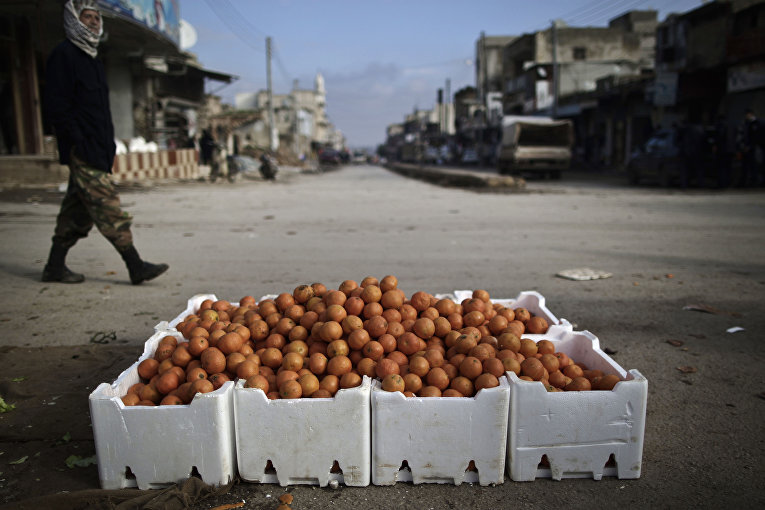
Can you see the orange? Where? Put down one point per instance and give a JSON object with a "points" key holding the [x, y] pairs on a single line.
{"points": [[290, 390], [339, 365], [388, 282], [148, 368], [419, 365], [285, 375], [463, 385], [393, 382], [437, 377], [337, 348], [309, 383], [385, 367], [350, 380], [257, 381], [317, 363], [470, 367], [486, 380]]}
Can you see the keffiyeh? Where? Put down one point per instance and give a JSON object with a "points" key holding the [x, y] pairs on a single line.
{"points": [[76, 31]]}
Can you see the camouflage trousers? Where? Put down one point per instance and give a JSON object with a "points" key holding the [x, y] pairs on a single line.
{"points": [[91, 199]]}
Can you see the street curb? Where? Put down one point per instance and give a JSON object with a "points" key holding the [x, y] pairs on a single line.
{"points": [[455, 177]]}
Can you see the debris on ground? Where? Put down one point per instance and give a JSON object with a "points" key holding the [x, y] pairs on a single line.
{"points": [[77, 461], [229, 506], [4, 408], [583, 274], [709, 309]]}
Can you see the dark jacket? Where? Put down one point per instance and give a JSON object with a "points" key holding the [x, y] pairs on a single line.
{"points": [[76, 103], [206, 147]]}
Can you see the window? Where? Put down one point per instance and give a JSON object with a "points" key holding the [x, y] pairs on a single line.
{"points": [[580, 53]]}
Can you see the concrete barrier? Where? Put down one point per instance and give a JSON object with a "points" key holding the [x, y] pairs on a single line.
{"points": [[169, 164], [458, 177], [42, 170]]}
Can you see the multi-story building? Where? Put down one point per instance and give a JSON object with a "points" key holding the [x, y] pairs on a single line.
{"points": [[300, 118], [710, 63], [489, 74], [541, 67]]}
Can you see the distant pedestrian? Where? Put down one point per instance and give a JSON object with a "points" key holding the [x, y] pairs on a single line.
{"points": [[77, 104], [208, 152], [722, 156], [691, 141], [752, 148]]}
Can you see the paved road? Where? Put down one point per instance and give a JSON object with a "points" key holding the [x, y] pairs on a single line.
{"points": [[704, 442]]}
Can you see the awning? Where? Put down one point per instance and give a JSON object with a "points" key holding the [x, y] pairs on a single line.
{"points": [[181, 64], [213, 75]]}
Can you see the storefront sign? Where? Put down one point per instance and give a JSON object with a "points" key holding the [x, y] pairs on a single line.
{"points": [[746, 77], [544, 95], [665, 89], [162, 16]]}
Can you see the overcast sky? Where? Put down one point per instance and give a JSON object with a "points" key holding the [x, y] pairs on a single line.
{"points": [[380, 59]]}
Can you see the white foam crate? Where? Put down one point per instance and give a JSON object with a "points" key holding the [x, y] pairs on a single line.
{"points": [[161, 445], [302, 438], [578, 431], [439, 436], [535, 303]]}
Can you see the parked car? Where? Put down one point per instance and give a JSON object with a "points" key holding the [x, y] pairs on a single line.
{"points": [[329, 157], [445, 154], [658, 160], [431, 155], [662, 159], [469, 157]]}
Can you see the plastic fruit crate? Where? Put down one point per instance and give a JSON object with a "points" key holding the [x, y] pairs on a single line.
{"points": [[577, 434], [151, 447], [298, 441], [434, 439]]}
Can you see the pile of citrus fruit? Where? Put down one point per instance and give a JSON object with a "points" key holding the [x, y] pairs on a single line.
{"points": [[313, 341]]}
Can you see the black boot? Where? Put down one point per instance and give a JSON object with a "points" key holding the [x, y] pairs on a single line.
{"points": [[56, 271], [139, 270]]}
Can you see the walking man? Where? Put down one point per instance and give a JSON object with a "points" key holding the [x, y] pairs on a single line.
{"points": [[77, 104]]}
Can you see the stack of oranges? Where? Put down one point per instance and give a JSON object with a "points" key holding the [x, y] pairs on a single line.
{"points": [[314, 341]]}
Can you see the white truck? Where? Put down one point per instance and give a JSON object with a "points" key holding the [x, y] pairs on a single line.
{"points": [[535, 144]]}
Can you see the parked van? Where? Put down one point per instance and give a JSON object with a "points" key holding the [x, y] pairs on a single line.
{"points": [[535, 144]]}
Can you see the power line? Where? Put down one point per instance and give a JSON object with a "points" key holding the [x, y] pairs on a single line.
{"points": [[610, 11], [595, 8], [242, 19], [280, 64], [234, 22], [585, 8]]}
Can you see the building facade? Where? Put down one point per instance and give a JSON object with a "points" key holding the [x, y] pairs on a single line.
{"points": [[155, 88], [300, 118]]}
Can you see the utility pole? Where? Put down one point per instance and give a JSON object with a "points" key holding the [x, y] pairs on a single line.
{"points": [[446, 105], [440, 101], [554, 69], [271, 125], [483, 89]]}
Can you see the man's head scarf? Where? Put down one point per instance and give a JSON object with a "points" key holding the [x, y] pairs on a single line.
{"points": [[76, 31]]}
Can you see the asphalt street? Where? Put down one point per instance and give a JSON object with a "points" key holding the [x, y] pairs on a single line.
{"points": [[687, 267]]}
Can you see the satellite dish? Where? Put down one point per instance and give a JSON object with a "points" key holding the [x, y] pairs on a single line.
{"points": [[188, 35]]}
